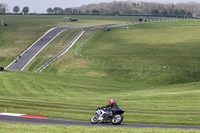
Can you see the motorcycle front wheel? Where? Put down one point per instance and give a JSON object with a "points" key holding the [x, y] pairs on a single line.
{"points": [[94, 119], [117, 119]]}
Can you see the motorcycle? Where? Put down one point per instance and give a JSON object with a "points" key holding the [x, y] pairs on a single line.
{"points": [[105, 116]]}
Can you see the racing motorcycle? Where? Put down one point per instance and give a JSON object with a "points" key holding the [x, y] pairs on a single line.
{"points": [[106, 116]]}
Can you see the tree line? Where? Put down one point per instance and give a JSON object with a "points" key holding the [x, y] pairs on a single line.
{"points": [[25, 10], [67, 11], [16, 9], [133, 8], [190, 9]]}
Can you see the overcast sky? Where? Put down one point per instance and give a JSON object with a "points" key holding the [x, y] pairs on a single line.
{"points": [[40, 6]]}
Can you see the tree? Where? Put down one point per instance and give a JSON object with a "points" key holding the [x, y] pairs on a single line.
{"points": [[176, 12], [155, 12], [182, 12], [95, 11], [116, 12], [58, 10], [87, 11], [75, 11], [16, 9], [49, 10], [189, 14], [68, 11], [145, 8], [25, 10], [79, 12], [3, 8], [164, 12]]}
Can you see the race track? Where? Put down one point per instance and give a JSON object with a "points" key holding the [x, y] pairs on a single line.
{"points": [[22, 60], [15, 119]]}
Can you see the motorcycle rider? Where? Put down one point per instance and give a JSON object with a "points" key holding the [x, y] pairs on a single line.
{"points": [[112, 107], [112, 104], [112, 114]]}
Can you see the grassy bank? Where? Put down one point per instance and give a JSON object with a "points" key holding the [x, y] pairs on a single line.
{"points": [[32, 128], [77, 98], [159, 53]]}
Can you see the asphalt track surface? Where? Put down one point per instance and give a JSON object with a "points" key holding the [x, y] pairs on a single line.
{"points": [[23, 59], [15, 119]]}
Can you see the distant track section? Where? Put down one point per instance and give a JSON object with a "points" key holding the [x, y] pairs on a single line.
{"points": [[62, 52], [74, 41], [24, 59], [27, 56]]}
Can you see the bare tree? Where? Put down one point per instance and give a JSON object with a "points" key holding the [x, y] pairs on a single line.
{"points": [[68, 11], [58, 10], [134, 8], [3, 8]]}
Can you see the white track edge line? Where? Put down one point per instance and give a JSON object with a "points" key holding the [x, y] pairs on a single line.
{"points": [[32, 45], [42, 48], [12, 114], [65, 50]]}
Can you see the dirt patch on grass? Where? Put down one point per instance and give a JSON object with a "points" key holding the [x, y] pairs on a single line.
{"points": [[95, 74]]}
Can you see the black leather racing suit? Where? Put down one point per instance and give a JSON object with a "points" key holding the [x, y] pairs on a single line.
{"points": [[113, 106]]}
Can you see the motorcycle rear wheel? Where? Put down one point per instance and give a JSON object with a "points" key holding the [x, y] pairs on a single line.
{"points": [[94, 119], [117, 119]]}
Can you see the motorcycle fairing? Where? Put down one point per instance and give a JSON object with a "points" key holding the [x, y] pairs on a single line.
{"points": [[118, 111]]}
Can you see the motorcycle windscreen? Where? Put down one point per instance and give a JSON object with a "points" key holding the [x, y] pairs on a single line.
{"points": [[107, 110]]}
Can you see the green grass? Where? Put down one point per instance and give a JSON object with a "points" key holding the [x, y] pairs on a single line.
{"points": [[160, 55], [161, 52], [32, 128], [69, 97]]}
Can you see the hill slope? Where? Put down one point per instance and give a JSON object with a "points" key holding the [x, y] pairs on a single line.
{"points": [[161, 52], [109, 66]]}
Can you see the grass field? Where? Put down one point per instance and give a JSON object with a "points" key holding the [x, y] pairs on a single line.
{"points": [[151, 69], [32, 128], [77, 98]]}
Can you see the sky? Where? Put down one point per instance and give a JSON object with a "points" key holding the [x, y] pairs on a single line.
{"points": [[40, 6]]}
